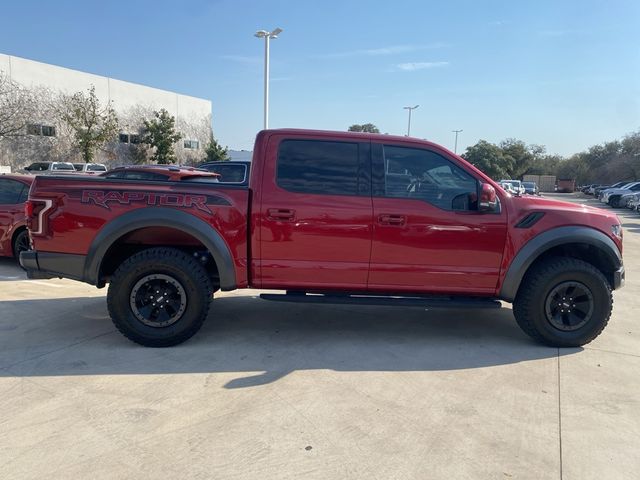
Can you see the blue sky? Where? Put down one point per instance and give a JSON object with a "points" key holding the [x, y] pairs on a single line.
{"points": [[565, 74]]}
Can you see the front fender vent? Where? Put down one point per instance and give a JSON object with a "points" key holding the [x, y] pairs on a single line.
{"points": [[530, 220]]}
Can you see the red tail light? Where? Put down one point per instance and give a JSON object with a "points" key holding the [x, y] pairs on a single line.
{"points": [[28, 209]]}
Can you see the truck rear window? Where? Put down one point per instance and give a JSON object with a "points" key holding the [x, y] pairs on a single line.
{"points": [[314, 166]]}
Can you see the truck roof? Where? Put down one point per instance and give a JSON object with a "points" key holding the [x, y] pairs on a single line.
{"points": [[382, 137]]}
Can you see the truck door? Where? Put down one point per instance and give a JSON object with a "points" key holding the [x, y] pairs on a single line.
{"points": [[315, 214], [428, 234], [13, 194]]}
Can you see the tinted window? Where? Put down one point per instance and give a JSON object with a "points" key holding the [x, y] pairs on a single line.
{"points": [[229, 173], [96, 168], [426, 175], [144, 176], [63, 166], [10, 191], [311, 166], [24, 195], [38, 167], [78, 166], [136, 175]]}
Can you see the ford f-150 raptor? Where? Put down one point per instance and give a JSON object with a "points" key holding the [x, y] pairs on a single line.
{"points": [[336, 217]]}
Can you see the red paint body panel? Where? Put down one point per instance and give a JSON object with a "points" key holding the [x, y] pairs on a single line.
{"points": [[73, 224], [287, 240], [12, 217], [436, 250], [325, 244]]}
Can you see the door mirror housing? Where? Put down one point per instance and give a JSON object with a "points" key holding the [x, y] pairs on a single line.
{"points": [[488, 199]]}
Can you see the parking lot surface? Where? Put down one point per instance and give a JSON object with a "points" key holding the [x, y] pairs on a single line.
{"points": [[270, 390]]}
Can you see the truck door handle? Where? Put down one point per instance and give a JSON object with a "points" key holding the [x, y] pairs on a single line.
{"points": [[388, 219], [281, 214]]}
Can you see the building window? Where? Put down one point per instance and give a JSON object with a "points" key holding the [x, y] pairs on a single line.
{"points": [[38, 129], [124, 138], [134, 139], [192, 144], [48, 131]]}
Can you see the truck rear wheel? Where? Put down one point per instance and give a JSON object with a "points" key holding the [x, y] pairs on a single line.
{"points": [[20, 243], [563, 302], [159, 297]]}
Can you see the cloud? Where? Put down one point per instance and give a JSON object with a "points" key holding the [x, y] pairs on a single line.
{"points": [[413, 66], [390, 50], [243, 59]]}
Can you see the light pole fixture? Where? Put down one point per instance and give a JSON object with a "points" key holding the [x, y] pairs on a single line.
{"points": [[409, 125], [455, 147], [267, 36]]}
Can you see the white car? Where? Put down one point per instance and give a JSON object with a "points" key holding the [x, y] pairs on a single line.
{"points": [[90, 167], [516, 186], [612, 195]]}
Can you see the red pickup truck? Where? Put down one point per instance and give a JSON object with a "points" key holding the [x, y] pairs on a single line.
{"points": [[328, 217]]}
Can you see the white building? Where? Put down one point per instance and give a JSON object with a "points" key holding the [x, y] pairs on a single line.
{"points": [[131, 101]]}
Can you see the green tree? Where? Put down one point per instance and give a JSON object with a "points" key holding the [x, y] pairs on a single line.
{"points": [[490, 159], [523, 156], [545, 165], [160, 134], [92, 125], [365, 127], [574, 168], [215, 152]]}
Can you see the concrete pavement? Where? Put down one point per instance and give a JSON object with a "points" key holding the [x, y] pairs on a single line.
{"points": [[307, 391]]}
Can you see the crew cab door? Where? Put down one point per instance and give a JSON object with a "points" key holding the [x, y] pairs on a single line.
{"points": [[315, 214], [428, 235], [13, 194]]}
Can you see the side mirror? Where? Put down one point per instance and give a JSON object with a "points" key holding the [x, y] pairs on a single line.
{"points": [[488, 199]]}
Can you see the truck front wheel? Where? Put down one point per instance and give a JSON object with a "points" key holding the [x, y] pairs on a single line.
{"points": [[563, 302], [159, 297]]}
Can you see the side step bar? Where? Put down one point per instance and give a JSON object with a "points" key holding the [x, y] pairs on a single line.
{"points": [[422, 302]]}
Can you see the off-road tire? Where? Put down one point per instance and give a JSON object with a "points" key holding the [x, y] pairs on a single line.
{"points": [[19, 242], [176, 265], [530, 303]]}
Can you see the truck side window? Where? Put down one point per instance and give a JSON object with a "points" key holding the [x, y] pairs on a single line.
{"points": [[426, 175], [10, 191], [314, 166]]}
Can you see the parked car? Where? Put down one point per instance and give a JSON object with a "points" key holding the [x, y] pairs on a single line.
{"points": [[14, 237], [50, 167], [634, 202], [90, 168], [531, 188], [625, 198], [612, 195], [516, 185], [591, 190], [328, 217], [507, 187], [598, 192], [230, 171]]}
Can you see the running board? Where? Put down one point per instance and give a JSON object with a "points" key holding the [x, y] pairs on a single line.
{"points": [[422, 302]]}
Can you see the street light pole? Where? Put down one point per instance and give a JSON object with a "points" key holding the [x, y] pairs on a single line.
{"points": [[267, 37], [409, 125], [455, 148]]}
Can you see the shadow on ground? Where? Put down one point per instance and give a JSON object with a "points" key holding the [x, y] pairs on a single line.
{"points": [[10, 270], [262, 341]]}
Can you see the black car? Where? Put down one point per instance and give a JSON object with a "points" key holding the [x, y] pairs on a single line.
{"points": [[230, 171]]}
